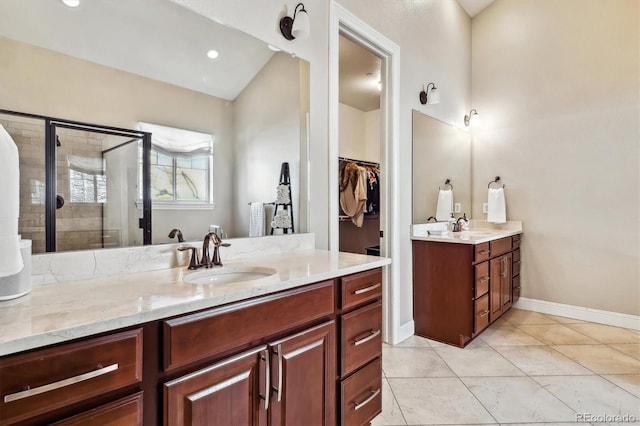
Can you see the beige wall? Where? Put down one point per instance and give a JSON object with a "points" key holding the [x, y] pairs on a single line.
{"points": [[557, 86], [359, 134], [49, 83], [267, 133]]}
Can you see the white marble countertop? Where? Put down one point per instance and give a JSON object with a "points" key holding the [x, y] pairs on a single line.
{"points": [[479, 232], [54, 313]]}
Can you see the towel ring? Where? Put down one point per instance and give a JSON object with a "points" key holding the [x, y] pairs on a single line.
{"points": [[496, 180], [447, 182]]}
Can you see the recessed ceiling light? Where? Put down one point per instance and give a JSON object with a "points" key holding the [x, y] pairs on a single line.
{"points": [[275, 49], [71, 3], [213, 54]]}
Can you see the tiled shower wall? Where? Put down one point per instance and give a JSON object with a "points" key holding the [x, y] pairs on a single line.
{"points": [[78, 225]]}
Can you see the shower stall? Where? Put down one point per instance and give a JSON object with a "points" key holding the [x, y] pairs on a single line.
{"points": [[82, 186]]}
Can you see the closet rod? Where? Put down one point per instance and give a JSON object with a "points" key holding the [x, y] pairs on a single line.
{"points": [[360, 162]]}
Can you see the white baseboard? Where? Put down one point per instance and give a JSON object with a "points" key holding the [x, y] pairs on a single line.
{"points": [[406, 330], [578, 312]]}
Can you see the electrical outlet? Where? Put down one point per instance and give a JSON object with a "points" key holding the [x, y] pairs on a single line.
{"points": [[485, 207], [457, 208]]}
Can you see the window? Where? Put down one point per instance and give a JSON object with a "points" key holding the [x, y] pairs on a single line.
{"points": [[180, 178], [181, 166], [87, 187]]}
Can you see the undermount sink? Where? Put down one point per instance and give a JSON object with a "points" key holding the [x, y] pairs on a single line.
{"points": [[227, 275]]}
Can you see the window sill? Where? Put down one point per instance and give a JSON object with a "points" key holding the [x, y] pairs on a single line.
{"points": [[178, 206]]}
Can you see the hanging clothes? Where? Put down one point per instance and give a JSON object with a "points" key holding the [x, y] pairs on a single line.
{"points": [[373, 190], [353, 192]]}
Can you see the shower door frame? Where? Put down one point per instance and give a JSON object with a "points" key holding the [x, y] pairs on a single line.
{"points": [[51, 124]]}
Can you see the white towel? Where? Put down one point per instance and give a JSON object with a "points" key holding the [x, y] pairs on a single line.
{"points": [[10, 256], [445, 205], [497, 211], [256, 219]]}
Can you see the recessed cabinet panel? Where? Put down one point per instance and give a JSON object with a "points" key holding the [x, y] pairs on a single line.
{"points": [[361, 395], [123, 412], [501, 246], [361, 287], [482, 279], [227, 393], [189, 338], [361, 337], [48, 379], [481, 319]]}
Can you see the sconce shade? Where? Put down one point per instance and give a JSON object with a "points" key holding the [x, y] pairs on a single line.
{"points": [[430, 95], [473, 119], [296, 27]]}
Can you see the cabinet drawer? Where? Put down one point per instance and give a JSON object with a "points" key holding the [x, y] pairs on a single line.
{"points": [[45, 380], [359, 288], [482, 279], [501, 246], [481, 320], [198, 336], [516, 289], [482, 252], [516, 263], [361, 395], [361, 337], [515, 241], [123, 412]]}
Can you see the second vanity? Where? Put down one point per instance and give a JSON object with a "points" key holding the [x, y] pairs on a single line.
{"points": [[464, 281], [300, 347]]}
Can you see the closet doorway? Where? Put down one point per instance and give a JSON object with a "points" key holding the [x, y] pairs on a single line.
{"points": [[359, 148], [344, 23]]}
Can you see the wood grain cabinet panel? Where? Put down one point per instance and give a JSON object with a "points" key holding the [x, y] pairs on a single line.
{"points": [[360, 288], [362, 395], [459, 289], [361, 337], [123, 412], [231, 392], [303, 376], [198, 336], [42, 381]]}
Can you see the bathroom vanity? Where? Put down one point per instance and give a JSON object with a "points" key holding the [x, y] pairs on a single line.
{"points": [[302, 346], [464, 281]]}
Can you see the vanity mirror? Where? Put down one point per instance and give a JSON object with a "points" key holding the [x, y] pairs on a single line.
{"points": [[440, 152], [121, 63]]}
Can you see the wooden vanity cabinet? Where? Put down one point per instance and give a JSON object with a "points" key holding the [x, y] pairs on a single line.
{"points": [[46, 384], [460, 289], [361, 348], [310, 355]]}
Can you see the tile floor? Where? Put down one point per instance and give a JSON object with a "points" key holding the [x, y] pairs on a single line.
{"points": [[526, 368]]}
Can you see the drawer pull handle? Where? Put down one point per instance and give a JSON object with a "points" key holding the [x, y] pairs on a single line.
{"points": [[374, 393], [483, 279], [367, 289], [484, 314], [279, 390], [517, 262], [358, 342], [487, 252], [267, 378], [60, 384]]}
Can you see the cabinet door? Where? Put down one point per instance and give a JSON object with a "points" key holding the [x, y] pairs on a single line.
{"points": [[227, 393], [495, 290], [303, 373], [505, 282]]}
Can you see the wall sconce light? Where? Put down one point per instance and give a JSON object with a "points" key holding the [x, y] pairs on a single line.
{"points": [[296, 27], [473, 119], [429, 96]]}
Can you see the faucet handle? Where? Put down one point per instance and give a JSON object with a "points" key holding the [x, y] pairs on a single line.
{"points": [[193, 262]]}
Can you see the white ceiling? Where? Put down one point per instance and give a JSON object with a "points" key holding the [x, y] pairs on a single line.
{"points": [[153, 38], [359, 76], [473, 7]]}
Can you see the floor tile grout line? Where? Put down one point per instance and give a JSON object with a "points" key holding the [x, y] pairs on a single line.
{"points": [[397, 402], [618, 386]]}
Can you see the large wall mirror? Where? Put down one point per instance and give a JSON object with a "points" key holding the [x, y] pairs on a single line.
{"points": [[122, 63], [441, 152]]}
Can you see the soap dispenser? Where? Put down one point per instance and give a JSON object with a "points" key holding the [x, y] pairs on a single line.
{"points": [[452, 221]]}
